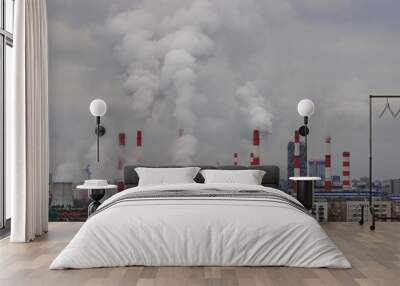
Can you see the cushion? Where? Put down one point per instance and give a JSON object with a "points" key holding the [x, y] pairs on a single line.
{"points": [[248, 177], [162, 176]]}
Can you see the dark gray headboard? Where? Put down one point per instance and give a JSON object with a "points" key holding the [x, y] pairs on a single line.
{"points": [[271, 177]]}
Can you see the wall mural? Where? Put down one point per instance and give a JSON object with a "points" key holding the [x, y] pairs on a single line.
{"points": [[198, 82]]}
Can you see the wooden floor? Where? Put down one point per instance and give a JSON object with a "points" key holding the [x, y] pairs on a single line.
{"points": [[375, 257]]}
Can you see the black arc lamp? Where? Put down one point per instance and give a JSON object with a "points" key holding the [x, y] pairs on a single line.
{"points": [[98, 108], [305, 108]]}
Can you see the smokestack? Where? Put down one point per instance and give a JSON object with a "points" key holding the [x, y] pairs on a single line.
{"points": [[235, 159], [121, 151], [139, 146], [256, 148], [328, 164], [346, 171], [121, 161]]}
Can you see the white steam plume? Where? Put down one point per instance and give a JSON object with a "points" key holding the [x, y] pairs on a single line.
{"points": [[184, 149], [253, 107], [166, 58], [160, 58]]}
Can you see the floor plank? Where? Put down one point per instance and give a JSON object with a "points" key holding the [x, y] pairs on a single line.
{"points": [[375, 257]]}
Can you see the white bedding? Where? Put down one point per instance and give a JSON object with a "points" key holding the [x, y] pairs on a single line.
{"points": [[200, 231]]}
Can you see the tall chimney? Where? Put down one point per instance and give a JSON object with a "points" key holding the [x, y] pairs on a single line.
{"points": [[328, 164], [121, 151], [235, 159], [139, 146], [346, 171], [121, 161], [256, 148]]}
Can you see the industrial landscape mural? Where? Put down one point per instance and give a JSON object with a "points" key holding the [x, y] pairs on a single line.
{"points": [[217, 83]]}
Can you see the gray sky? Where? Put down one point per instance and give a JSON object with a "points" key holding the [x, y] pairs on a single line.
{"points": [[219, 69]]}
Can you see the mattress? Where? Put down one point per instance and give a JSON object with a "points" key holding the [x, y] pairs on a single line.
{"points": [[201, 225]]}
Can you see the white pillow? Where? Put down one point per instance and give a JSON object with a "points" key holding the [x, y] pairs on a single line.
{"points": [[163, 176], [248, 177]]}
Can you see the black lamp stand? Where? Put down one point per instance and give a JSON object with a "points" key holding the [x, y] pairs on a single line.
{"points": [[100, 131], [304, 131]]}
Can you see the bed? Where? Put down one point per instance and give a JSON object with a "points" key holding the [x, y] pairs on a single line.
{"points": [[199, 224]]}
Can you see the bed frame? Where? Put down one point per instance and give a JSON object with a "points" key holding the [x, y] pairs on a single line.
{"points": [[270, 179]]}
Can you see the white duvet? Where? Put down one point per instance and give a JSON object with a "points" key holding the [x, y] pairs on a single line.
{"points": [[211, 231]]}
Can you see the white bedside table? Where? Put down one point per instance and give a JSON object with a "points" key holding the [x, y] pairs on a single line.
{"points": [[305, 189], [96, 193]]}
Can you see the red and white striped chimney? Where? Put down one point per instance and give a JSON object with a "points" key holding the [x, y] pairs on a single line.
{"points": [[139, 146], [121, 161], [235, 159], [346, 171], [121, 151], [256, 148], [328, 164]]}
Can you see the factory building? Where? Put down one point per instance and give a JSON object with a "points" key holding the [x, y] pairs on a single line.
{"points": [[354, 211], [316, 168], [391, 186], [395, 206], [320, 211], [383, 208], [336, 182]]}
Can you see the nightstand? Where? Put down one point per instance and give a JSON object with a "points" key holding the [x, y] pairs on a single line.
{"points": [[96, 193], [305, 189]]}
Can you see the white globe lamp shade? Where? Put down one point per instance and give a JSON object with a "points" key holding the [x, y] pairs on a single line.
{"points": [[98, 107], [305, 107]]}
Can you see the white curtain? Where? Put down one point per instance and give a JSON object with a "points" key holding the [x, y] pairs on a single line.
{"points": [[28, 148]]}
